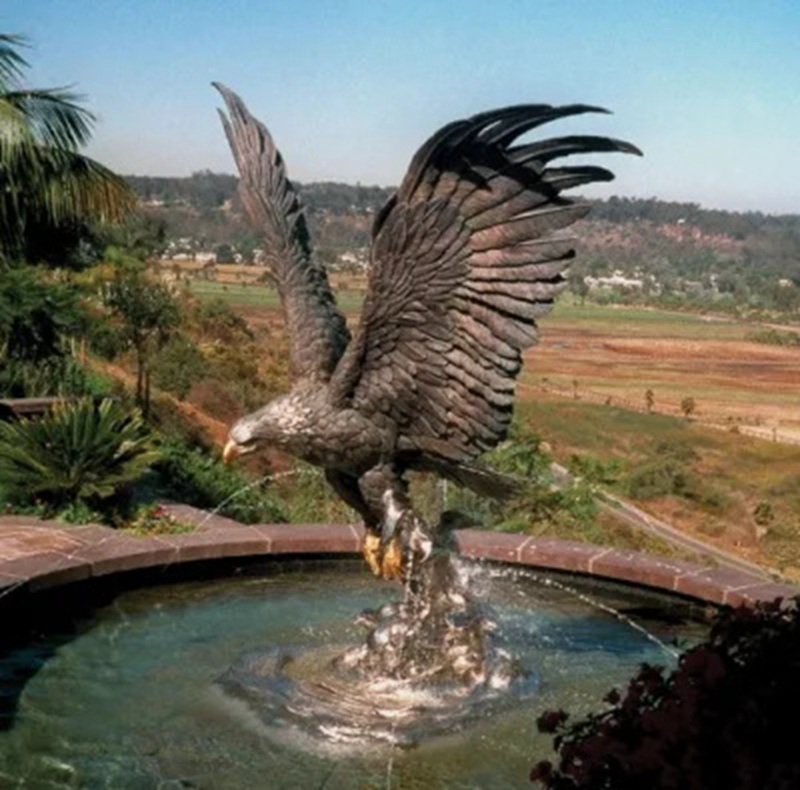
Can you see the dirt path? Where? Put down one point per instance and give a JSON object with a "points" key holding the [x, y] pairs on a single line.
{"points": [[638, 519], [216, 430]]}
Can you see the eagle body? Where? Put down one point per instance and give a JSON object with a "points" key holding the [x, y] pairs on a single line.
{"points": [[465, 257], [306, 424]]}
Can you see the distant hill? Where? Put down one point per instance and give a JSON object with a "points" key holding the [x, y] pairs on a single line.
{"points": [[678, 245]]}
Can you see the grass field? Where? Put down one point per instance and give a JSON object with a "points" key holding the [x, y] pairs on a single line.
{"points": [[620, 353], [260, 295], [730, 475], [639, 322]]}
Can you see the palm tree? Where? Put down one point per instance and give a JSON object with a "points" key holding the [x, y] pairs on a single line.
{"points": [[44, 180]]}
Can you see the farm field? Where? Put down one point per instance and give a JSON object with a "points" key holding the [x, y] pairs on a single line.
{"points": [[610, 352], [740, 493], [260, 296], [620, 353]]}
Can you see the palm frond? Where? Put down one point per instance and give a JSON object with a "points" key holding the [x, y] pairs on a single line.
{"points": [[12, 64], [78, 452], [53, 115], [47, 184], [44, 180]]}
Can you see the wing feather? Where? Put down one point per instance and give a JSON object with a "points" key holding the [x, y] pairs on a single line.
{"points": [[317, 331], [465, 258]]}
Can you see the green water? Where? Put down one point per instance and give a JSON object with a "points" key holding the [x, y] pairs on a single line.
{"points": [[131, 701]]}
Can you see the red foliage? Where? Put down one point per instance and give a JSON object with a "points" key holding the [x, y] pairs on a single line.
{"points": [[721, 720]]}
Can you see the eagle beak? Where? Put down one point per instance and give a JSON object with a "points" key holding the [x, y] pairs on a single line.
{"points": [[235, 449], [231, 451]]}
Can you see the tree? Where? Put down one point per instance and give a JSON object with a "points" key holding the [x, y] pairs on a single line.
{"points": [[688, 406], [579, 288], [148, 315], [39, 321], [650, 400], [46, 182], [178, 365], [224, 253], [36, 316]]}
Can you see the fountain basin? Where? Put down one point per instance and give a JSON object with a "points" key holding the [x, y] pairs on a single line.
{"points": [[120, 680], [153, 685]]}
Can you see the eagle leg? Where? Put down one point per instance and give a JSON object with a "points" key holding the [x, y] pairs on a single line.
{"points": [[401, 539], [347, 487]]}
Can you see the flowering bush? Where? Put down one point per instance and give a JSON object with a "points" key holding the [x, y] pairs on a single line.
{"points": [[722, 719], [157, 520]]}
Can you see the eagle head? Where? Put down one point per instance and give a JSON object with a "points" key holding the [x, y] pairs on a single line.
{"points": [[274, 424]]}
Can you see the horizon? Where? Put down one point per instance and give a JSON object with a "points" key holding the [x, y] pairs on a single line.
{"points": [[576, 196], [351, 90]]}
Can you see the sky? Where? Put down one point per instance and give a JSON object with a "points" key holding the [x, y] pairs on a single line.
{"points": [[709, 89]]}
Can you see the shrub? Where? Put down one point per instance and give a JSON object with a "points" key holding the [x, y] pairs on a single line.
{"points": [[170, 421], [81, 452], [594, 470], [661, 477], [36, 316], [721, 720], [763, 513], [217, 321], [156, 520], [61, 376], [539, 504], [192, 476], [178, 365]]}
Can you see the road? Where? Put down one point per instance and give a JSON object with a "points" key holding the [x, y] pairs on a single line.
{"points": [[638, 519]]}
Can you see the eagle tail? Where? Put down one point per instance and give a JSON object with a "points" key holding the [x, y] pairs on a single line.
{"points": [[484, 482]]}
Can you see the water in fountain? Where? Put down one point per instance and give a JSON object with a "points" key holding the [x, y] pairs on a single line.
{"points": [[232, 683], [427, 662]]}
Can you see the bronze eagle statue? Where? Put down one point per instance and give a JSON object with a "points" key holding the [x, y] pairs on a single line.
{"points": [[465, 257]]}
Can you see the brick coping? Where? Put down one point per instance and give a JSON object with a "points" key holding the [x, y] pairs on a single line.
{"points": [[37, 554]]}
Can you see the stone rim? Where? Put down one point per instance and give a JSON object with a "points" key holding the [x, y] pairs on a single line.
{"points": [[37, 555]]}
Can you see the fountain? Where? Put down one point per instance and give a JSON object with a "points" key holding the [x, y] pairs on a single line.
{"points": [[264, 682], [465, 256], [255, 678]]}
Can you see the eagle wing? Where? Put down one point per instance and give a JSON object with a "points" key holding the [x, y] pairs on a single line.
{"points": [[465, 257], [317, 330]]}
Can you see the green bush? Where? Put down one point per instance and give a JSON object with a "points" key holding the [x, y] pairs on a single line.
{"points": [[36, 315], [57, 376], [217, 321], [594, 470], [192, 476], [170, 422], [538, 505], [669, 474], [81, 453], [178, 365], [661, 477]]}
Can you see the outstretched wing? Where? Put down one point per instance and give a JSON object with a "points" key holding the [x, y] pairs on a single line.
{"points": [[465, 257], [317, 331]]}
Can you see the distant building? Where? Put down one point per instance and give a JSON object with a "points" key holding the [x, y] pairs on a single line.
{"points": [[616, 280]]}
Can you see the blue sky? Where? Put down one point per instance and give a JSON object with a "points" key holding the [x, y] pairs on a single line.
{"points": [[709, 90]]}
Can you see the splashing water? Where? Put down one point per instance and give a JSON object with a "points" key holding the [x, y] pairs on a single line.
{"points": [[427, 663], [242, 490], [548, 581]]}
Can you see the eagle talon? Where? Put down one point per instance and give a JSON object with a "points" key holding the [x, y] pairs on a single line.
{"points": [[385, 559]]}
